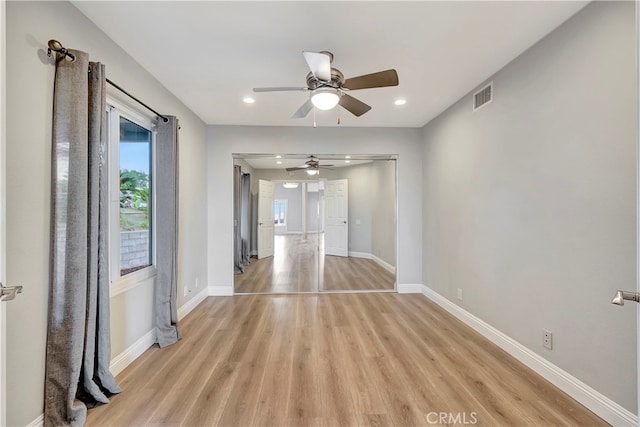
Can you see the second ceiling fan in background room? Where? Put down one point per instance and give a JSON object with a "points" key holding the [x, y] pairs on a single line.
{"points": [[328, 87], [311, 166]]}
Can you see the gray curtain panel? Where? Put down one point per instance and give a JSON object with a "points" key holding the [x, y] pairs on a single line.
{"points": [[168, 331], [78, 337], [245, 213], [237, 207]]}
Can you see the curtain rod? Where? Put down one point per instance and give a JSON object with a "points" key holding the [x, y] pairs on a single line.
{"points": [[137, 100], [56, 46]]}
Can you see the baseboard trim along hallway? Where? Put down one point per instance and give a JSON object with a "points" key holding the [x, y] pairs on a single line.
{"points": [[595, 401]]}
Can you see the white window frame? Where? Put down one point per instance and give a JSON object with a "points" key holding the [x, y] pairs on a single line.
{"points": [[115, 110]]}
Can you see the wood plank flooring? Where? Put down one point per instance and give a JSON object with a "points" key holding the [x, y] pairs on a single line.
{"points": [[330, 360], [297, 267]]}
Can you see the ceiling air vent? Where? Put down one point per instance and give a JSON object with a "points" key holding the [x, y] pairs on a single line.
{"points": [[483, 96]]}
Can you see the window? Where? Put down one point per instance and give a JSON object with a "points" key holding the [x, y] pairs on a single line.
{"points": [[280, 212], [130, 140]]}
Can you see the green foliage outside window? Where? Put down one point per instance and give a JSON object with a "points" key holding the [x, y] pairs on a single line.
{"points": [[134, 200]]}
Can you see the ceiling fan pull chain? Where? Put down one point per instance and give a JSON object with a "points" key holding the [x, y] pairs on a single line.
{"points": [[314, 117], [338, 116]]}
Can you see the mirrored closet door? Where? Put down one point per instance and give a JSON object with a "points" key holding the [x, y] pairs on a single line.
{"points": [[314, 224]]}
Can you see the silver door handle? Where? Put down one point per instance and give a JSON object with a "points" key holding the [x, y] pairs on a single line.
{"points": [[7, 293], [625, 295]]}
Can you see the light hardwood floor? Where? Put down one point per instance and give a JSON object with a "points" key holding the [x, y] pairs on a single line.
{"points": [[297, 267], [328, 360]]}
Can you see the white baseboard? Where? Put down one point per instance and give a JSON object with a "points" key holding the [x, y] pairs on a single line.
{"points": [[384, 264], [220, 291], [601, 405], [38, 422], [192, 303], [404, 288], [360, 255], [134, 351], [125, 358], [377, 260]]}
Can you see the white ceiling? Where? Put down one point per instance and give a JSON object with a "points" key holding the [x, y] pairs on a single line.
{"points": [[211, 54], [265, 161]]}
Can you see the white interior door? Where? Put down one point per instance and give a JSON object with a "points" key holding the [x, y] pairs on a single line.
{"points": [[265, 219], [336, 224]]}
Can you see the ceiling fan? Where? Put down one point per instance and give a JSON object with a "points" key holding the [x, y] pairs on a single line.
{"points": [[328, 87], [312, 166]]}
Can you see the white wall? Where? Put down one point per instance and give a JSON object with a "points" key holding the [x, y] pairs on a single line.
{"points": [[530, 202], [30, 77], [225, 140]]}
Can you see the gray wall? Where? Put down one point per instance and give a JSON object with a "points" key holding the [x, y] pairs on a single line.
{"points": [[383, 219], [28, 156], [372, 202], [293, 196], [225, 140], [530, 202], [359, 185]]}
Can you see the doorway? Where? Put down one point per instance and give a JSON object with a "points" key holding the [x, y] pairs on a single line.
{"points": [[330, 231]]}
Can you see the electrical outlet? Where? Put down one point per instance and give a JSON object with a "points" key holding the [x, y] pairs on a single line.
{"points": [[197, 282], [460, 294], [547, 339], [185, 292]]}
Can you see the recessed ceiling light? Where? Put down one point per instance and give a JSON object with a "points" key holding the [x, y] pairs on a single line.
{"points": [[279, 162], [278, 157], [248, 100], [347, 161], [400, 101], [347, 157]]}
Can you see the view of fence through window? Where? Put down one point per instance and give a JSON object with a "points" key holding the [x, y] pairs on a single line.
{"points": [[135, 197]]}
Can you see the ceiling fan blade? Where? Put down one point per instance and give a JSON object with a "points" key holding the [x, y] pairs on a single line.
{"points": [[354, 106], [279, 89], [320, 65], [379, 79], [303, 110], [295, 169]]}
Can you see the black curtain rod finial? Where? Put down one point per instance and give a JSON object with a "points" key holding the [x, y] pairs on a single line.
{"points": [[56, 46]]}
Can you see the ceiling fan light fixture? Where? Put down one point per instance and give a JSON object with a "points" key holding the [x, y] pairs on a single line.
{"points": [[325, 98], [312, 172]]}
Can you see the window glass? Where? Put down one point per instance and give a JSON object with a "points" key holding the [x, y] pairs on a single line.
{"points": [[279, 212], [135, 197]]}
